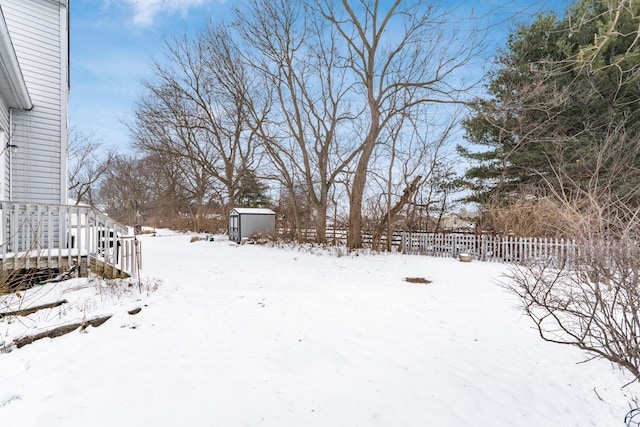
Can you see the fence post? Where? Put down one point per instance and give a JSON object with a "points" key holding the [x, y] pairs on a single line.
{"points": [[454, 245], [483, 249]]}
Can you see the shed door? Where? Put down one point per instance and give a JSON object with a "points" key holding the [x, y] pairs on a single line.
{"points": [[233, 228]]}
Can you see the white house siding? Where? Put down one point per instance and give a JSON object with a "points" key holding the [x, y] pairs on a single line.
{"points": [[4, 158], [39, 32]]}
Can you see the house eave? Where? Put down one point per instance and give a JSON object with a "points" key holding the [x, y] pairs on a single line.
{"points": [[12, 85]]}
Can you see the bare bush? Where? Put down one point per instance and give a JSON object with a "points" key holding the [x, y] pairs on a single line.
{"points": [[592, 304], [592, 300]]}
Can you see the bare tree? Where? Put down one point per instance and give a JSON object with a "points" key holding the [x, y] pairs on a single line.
{"points": [[402, 57], [170, 197], [592, 302], [88, 164], [411, 156], [297, 55], [193, 116], [127, 191], [155, 190]]}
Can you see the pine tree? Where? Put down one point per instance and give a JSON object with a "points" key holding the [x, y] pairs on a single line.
{"points": [[252, 193], [564, 92]]}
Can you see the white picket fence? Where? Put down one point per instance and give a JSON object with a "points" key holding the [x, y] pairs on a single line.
{"points": [[490, 248], [481, 247]]}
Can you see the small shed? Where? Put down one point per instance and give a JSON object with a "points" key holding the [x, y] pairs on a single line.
{"points": [[247, 222]]}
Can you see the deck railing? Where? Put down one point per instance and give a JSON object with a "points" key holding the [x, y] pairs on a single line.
{"points": [[36, 235]]}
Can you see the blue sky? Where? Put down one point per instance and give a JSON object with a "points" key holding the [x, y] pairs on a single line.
{"points": [[113, 41]]}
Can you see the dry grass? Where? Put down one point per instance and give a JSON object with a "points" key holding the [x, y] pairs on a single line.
{"points": [[528, 216]]}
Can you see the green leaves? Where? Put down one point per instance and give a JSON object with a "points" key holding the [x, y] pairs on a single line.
{"points": [[562, 93]]}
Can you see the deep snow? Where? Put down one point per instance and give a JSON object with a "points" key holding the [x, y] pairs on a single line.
{"points": [[260, 336]]}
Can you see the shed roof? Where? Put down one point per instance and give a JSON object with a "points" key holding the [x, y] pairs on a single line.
{"points": [[254, 211]]}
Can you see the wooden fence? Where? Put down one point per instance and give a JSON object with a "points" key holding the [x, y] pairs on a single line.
{"points": [[490, 248], [338, 236], [480, 247]]}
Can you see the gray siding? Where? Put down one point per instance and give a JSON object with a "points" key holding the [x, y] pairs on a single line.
{"points": [[38, 30], [245, 224]]}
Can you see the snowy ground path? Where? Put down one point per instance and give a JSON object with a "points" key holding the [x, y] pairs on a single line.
{"points": [[258, 336]]}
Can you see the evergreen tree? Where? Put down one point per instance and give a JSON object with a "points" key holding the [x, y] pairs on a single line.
{"points": [[563, 102], [251, 192]]}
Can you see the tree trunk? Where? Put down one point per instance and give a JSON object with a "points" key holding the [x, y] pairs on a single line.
{"points": [[393, 211], [354, 238], [296, 216], [354, 235], [321, 220]]}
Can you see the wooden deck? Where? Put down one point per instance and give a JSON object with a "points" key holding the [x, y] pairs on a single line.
{"points": [[26, 265], [55, 238], [31, 261]]}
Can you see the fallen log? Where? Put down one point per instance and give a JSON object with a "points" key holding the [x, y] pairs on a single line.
{"points": [[135, 311], [61, 330], [31, 310]]}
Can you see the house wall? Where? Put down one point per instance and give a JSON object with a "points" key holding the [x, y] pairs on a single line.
{"points": [[4, 157], [39, 33]]}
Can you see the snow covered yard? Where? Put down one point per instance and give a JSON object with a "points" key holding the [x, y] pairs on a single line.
{"points": [[259, 336]]}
